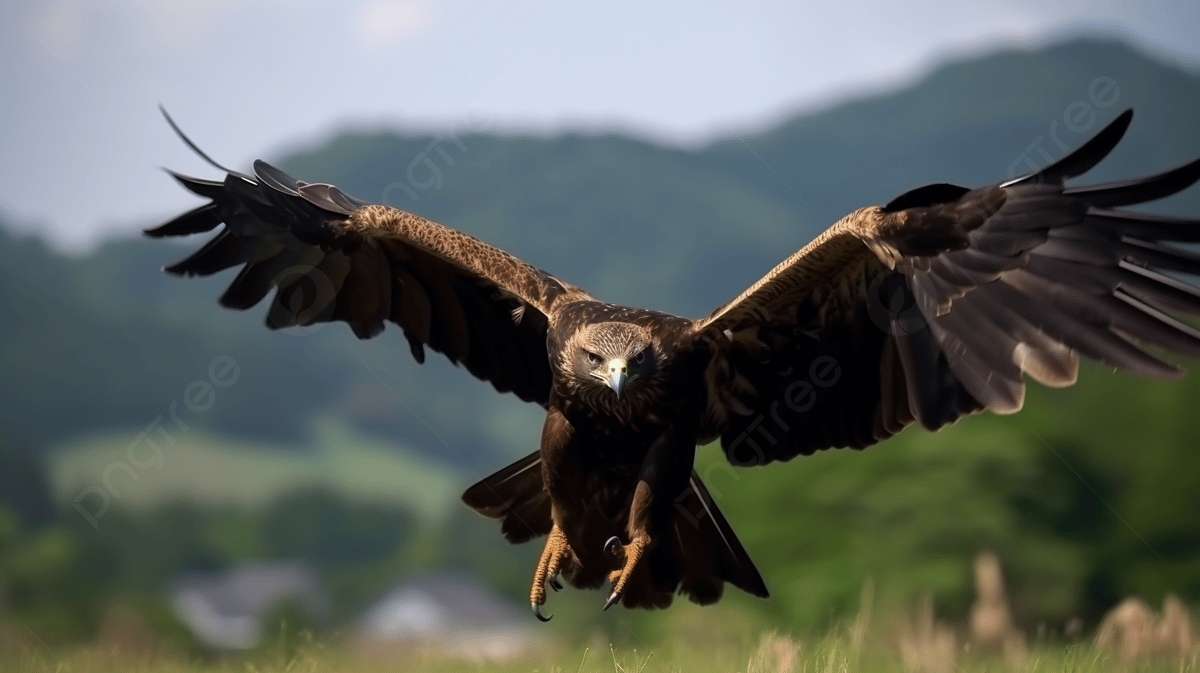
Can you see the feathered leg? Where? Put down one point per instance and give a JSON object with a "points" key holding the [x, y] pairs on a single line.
{"points": [[560, 482], [668, 455], [555, 552]]}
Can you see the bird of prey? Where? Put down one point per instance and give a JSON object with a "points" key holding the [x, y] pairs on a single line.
{"points": [[931, 307]]}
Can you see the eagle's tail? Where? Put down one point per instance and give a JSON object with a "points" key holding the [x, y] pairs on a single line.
{"points": [[709, 552], [696, 555], [514, 495]]}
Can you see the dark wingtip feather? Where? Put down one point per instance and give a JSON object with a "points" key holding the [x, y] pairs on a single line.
{"points": [[195, 148], [252, 284], [195, 221], [222, 252], [209, 189], [1139, 190], [1083, 159]]}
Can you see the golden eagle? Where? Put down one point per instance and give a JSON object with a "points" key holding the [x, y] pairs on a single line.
{"points": [[926, 309]]}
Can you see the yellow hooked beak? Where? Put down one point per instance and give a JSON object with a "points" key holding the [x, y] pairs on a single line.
{"points": [[618, 375]]}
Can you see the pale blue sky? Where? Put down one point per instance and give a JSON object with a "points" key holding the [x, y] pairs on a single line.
{"points": [[81, 139]]}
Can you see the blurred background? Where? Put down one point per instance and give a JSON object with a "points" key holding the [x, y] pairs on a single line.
{"points": [[172, 470]]}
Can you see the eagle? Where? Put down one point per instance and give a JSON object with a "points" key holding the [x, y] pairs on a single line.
{"points": [[929, 308]]}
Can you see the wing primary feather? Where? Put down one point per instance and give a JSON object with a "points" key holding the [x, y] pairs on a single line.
{"points": [[209, 189], [254, 281], [1158, 255], [195, 221], [1085, 158], [1141, 225], [1163, 329], [196, 149], [220, 253], [1138, 190], [1068, 277], [1096, 341], [1152, 286]]}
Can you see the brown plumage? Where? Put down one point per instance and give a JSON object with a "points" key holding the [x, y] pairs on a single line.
{"points": [[929, 308]]}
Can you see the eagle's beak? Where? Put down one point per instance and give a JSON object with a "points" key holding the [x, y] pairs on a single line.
{"points": [[618, 375]]}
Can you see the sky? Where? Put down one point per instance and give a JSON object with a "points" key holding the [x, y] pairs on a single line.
{"points": [[81, 139]]}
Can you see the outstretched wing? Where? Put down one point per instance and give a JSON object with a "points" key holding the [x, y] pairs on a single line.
{"points": [[935, 306], [333, 257]]}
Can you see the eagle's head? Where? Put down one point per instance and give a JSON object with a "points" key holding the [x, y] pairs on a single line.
{"points": [[612, 355]]}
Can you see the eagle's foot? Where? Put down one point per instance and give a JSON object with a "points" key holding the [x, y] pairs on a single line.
{"points": [[626, 557], [553, 554]]}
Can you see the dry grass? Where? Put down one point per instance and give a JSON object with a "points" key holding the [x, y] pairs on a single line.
{"points": [[1132, 637], [992, 625], [773, 653], [1135, 633], [927, 646]]}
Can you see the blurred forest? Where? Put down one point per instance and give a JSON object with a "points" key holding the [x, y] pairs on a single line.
{"points": [[233, 443]]}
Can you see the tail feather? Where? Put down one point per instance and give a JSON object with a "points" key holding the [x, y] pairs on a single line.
{"points": [[709, 551], [515, 495]]}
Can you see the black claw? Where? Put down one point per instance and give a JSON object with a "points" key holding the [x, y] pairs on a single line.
{"points": [[554, 584], [611, 546], [537, 612], [612, 599]]}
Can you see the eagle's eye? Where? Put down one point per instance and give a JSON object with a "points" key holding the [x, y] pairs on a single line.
{"points": [[640, 357], [593, 359]]}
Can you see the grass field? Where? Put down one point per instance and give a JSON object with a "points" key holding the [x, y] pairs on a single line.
{"points": [[774, 653], [913, 647], [200, 467], [1133, 637]]}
